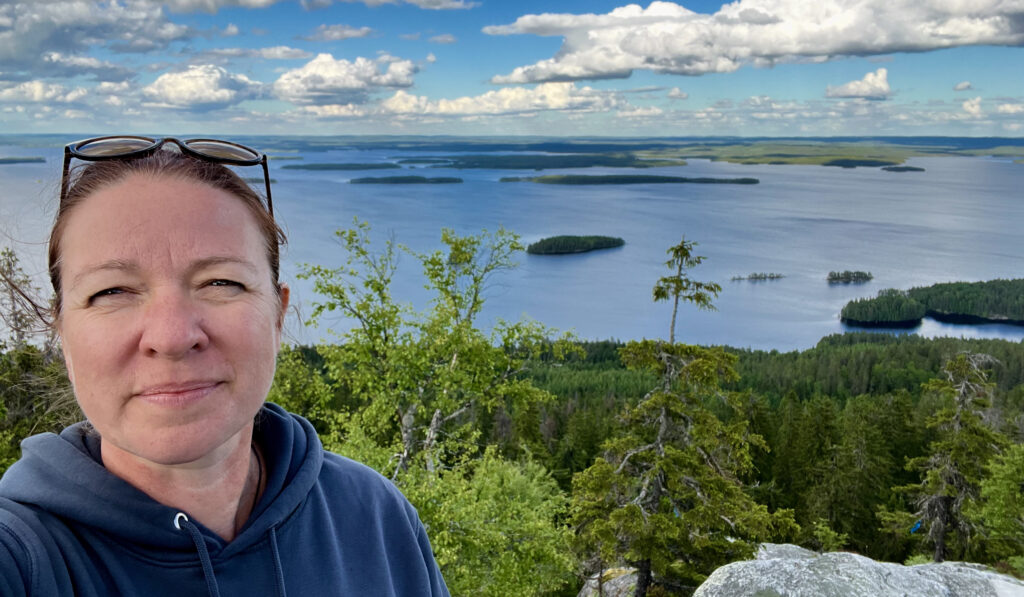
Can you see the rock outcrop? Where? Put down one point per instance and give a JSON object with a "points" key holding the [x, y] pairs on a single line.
{"points": [[791, 571], [618, 582]]}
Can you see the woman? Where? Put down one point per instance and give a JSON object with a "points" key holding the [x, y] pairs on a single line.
{"points": [[164, 265]]}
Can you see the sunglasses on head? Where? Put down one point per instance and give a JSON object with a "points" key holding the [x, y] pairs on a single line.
{"points": [[127, 147]]}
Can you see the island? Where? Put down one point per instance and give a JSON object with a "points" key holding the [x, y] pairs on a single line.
{"points": [[542, 161], [758, 277], [405, 180], [903, 169], [862, 162], [994, 301], [586, 179], [561, 245], [31, 160], [848, 277], [375, 166]]}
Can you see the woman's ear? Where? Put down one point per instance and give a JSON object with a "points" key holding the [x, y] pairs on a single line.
{"points": [[284, 295]]}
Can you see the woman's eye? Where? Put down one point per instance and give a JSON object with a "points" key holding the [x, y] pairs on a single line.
{"points": [[221, 283], [106, 292]]}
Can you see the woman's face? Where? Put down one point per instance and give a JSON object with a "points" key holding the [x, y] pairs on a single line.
{"points": [[171, 322]]}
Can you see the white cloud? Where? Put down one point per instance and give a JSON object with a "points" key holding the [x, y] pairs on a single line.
{"points": [[641, 112], [409, 36], [431, 58], [274, 53], [507, 100], [324, 80], [214, 5], [676, 93], [230, 31], [444, 38], [107, 88], [201, 87], [39, 91], [962, 86], [64, 30], [973, 107], [1010, 108], [336, 111], [873, 86], [337, 33], [667, 37]]}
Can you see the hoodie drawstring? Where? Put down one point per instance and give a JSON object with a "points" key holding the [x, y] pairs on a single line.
{"points": [[182, 521], [278, 570]]}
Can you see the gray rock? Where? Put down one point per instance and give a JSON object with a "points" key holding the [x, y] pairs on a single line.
{"points": [[791, 571], [618, 582]]}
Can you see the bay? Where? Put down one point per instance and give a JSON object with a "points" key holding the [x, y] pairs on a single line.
{"points": [[961, 219]]}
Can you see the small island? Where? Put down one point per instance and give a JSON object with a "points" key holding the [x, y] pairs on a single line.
{"points": [[995, 301], [425, 161], [758, 277], [848, 277], [375, 166], [903, 169], [405, 180], [586, 179], [562, 245], [30, 160], [542, 161], [859, 162]]}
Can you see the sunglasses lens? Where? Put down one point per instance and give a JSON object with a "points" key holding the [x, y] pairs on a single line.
{"points": [[223, 151], [113, 146]]}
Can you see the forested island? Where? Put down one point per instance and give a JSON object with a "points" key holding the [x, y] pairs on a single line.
{"points": [[406, 180], [903, 169], [561, 245], [548, 162], [995, 301], [373, 166], [759, 277], [586, 179], [849, 277], [28, 160]]}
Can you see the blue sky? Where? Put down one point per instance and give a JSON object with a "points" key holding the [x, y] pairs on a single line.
{"points": [[497, 67]]}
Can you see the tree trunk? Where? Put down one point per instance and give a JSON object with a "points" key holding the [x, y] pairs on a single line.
{"points": [[643, 577]]}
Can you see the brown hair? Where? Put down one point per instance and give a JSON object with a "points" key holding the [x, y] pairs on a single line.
{"points": [[91, 177]]}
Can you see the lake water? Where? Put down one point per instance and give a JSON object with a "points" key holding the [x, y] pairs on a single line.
{"points": [[961, 219]]}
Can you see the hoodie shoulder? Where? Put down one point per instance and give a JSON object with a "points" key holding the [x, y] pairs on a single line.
{"points": [[28, 552]]}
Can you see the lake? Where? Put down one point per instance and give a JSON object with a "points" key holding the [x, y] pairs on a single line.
{"points": [[961, 219]]}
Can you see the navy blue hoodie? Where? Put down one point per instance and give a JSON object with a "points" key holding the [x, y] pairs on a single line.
{"points": [[325, 525]]}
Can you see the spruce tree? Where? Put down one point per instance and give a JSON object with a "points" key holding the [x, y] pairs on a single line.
{"points": [[666, 494]]}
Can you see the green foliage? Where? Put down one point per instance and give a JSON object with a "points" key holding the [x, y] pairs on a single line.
{"points": [[490, 524], [416, 396], [954, 467], [918, 559], [1002, 509], [995, 300], [959, 302], [891, 306], [826, 538], [849, 277], [558, 245], [666, 494]]}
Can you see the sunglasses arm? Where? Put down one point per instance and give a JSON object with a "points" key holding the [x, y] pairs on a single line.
{"points": [[266, 179]]}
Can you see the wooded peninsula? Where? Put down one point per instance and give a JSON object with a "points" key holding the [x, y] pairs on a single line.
{"points": [[995, 301]]}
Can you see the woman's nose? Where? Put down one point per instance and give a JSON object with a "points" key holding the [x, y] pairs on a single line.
{"points": [[172, 326]]}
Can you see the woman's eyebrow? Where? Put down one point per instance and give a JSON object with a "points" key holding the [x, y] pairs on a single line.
{"points": [[112, 265], [214, 261]]}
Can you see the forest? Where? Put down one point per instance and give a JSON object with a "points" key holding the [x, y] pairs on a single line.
{"points": [[536, 459]]}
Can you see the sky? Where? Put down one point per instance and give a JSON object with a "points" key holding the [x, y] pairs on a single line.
{"points": [[504, 67]]}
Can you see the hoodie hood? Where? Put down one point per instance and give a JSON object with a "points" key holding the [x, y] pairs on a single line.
{"points": [[90, 495]]}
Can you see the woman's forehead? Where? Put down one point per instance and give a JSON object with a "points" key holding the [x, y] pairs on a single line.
{"points": [[152, 218]]}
